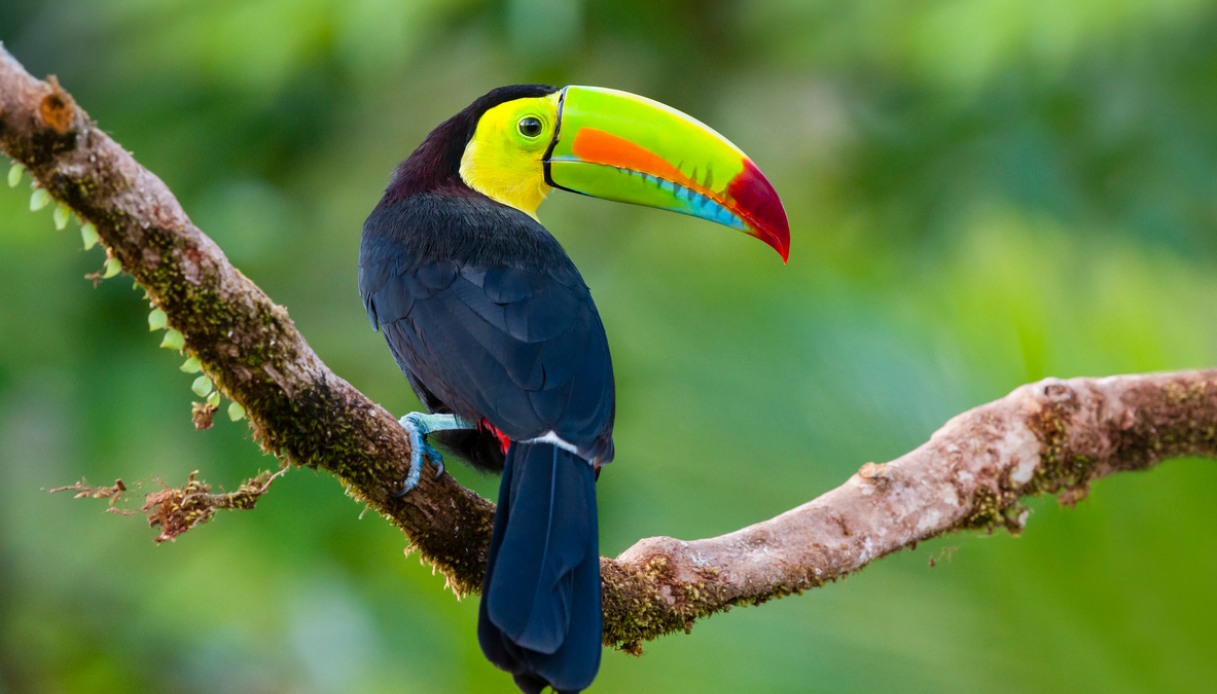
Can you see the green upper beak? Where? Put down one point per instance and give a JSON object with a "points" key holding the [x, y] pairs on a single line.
{"points": [[619, 146]]}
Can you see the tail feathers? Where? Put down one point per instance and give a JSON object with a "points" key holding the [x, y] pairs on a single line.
{"points": [[540, 615]]}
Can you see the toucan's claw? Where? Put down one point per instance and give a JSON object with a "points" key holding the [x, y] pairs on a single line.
{"points": [[418, 425]]}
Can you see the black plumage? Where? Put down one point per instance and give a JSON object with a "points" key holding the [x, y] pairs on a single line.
{"points": [[489, 319]]}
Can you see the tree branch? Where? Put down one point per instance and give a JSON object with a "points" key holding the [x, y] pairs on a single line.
{"points": [[1052, 437], [299, 409]]}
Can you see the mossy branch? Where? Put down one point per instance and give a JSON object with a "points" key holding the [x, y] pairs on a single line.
{"points": [[244, 342], [1052, 437]]}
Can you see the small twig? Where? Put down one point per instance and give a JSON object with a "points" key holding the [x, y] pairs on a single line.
{"points": [[176, 510], [84, 490]]}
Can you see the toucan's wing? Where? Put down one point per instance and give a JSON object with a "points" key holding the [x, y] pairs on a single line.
{"points": [[522, 347]]}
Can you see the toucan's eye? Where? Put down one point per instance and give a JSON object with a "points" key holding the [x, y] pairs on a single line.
{"points": [[529, 126]]}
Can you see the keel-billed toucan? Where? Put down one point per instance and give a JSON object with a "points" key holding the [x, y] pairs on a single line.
{"points": [[497, 333]]}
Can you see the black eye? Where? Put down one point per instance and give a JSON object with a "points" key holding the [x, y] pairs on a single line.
{"points": [[529, 126]]}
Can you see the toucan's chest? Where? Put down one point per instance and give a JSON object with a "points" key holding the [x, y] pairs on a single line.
{"points": [[467, 228]]}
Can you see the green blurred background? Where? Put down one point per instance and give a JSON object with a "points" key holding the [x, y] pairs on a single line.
{"points": [[981, 194]]}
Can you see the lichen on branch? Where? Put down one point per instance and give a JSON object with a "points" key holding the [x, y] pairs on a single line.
{"points": [[176, 510]]}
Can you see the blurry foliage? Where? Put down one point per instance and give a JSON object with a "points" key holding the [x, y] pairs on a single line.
{"points": [[982, 193]]}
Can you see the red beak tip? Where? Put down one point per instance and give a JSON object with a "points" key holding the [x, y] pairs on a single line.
{"points": [[755, 194], [777, 235]]}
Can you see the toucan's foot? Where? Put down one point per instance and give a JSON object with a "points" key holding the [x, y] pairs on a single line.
{"points": [[418, 425]]}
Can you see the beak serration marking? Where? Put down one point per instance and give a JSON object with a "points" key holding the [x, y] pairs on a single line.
{"points": [[592, 146]]}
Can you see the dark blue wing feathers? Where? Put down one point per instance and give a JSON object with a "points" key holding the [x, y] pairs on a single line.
{"points": [[522, 350]]}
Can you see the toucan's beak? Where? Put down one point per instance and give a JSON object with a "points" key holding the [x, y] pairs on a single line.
{"points": [[619, 146]]}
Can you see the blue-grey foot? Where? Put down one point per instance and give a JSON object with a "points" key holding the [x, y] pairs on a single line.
{"points": [[418, 425]]}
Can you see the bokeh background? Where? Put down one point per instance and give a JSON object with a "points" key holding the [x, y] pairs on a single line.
{"points": [[981, 193]]}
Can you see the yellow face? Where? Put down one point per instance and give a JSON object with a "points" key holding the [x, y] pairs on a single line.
{"points": [[503, 159]]}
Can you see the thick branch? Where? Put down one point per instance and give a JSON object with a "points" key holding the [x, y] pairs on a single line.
{"points": [[1049, 437]]}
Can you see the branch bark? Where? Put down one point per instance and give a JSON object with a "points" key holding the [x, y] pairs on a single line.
{"points": [[1051, 437]]}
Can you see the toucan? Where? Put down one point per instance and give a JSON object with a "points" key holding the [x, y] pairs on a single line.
{"points": [[497, 333]]}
